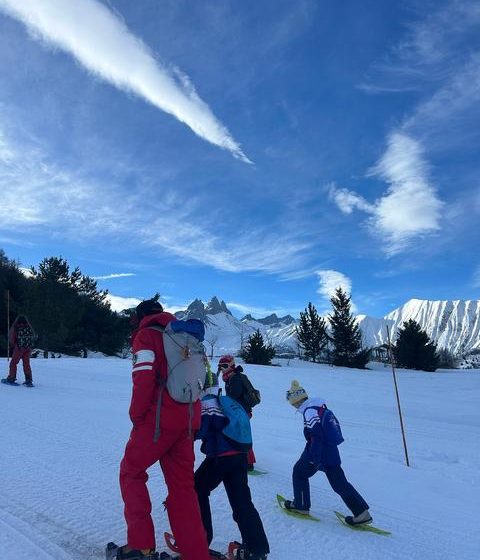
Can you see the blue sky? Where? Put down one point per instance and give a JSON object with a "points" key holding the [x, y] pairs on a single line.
{"points": [[264, 152]]}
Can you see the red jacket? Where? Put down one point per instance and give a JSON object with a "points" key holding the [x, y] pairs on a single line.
{"points": [[150, 366]]}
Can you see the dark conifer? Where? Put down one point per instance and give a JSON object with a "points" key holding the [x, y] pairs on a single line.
{"points": [[346, 335], [312, 334], [256, 351], [414, 349]]}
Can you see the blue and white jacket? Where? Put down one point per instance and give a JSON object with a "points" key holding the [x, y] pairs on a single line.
{"points": [[322, 432], [214, 443]]}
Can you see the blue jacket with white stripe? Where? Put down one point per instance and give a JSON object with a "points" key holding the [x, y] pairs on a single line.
{"points": [[214, 443], [322, 432]]}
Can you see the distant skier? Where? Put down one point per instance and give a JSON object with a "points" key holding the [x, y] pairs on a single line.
{"points": [[323, 434], [22, 337], [236, 384], [173, 449], [226, 463]]}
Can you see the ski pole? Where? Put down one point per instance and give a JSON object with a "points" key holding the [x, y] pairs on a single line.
{"points": [[398, 397], [8, 330]]}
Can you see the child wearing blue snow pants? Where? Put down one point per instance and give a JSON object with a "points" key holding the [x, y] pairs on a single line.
{"points": [[304, 469]]}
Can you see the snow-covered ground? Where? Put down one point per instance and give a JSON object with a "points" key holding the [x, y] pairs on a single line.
{"points": [[61, 444]]}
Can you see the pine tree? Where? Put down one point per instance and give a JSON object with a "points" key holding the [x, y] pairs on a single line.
{"points": [[414, 349], [346, 335], [312, 333], [256, 351]]}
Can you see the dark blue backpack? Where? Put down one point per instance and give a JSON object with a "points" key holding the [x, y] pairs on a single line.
{"points": [[238, 430]]}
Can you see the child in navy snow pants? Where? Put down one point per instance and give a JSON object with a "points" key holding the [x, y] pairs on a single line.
{"points": [[304, 469]]}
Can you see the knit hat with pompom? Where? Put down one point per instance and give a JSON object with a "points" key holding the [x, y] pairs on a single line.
{"points": [[296, 393]]}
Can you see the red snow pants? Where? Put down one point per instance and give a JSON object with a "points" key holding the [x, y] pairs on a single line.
{"points": [[174, 451], [24, 355]]}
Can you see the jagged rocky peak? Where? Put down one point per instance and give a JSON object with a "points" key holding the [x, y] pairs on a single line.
{"points": [[196, 310], [215, 306], [269, 320], [248, 317], [287, 320], [272, 320]]}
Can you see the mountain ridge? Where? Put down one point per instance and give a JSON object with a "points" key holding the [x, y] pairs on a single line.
{"points": [[452, 324]]}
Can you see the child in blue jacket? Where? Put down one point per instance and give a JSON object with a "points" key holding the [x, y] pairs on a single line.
{"points": [[226, 462], [323, 434]]}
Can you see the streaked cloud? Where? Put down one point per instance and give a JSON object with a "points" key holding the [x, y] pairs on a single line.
{"points": [[59, 202], [114, 275], [411, 206], [102, 43]]}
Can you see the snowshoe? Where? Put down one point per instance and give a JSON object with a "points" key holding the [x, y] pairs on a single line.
{"points": [[255, 472], [115, 552], [281, 502], [290, 505], [240, 552], [172, 545], [363, 518], [28, 384], [364, 527]]}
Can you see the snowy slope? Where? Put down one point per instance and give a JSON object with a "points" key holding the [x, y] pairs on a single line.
{"points": [[61, 444]]}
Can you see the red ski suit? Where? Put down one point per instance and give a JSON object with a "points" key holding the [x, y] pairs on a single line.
{"points": [[19, 354], [174, 450]]}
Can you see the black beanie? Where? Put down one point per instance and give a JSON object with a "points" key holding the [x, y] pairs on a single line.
{"points": [[148, 307]]}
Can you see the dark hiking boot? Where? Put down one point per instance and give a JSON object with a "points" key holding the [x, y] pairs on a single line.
{"points": [[290, 506], [242, 553], [28, 383], [251, 468], [125, 553], [9, 381], [363, 518]]}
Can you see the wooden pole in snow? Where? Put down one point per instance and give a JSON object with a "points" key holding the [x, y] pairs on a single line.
{"points": [[8, 331], [398, 397]]}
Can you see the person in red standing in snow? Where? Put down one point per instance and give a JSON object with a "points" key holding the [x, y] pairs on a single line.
{"points": [[235, 389], [173, 449], [22, 337]]}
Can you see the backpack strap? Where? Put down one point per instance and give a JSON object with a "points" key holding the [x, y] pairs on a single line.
{"points": [[161, 383]]}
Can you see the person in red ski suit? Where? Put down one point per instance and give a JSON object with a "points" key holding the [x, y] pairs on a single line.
{"points": [[22, 337], [173, 449]]}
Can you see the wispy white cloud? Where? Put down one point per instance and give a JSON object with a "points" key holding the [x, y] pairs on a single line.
{"points": [[348, 201], [119, 303], [256, 250], [431, 51], [57, 202], [330, 280], [411, 206], [102, 43], [114, 275], [439, 58]]}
